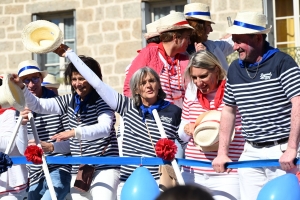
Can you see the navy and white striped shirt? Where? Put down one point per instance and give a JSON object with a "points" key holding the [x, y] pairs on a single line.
{"points": [[264, 102]]}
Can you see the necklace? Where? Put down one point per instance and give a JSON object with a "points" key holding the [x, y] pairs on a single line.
{"points": [[252, 77]]}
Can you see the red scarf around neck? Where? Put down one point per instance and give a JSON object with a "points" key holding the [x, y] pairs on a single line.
{"points": [[171, 62], [2, 110], [218, 97]]}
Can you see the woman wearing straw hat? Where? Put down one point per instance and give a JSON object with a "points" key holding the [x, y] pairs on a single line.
{"points": [[89, 124], [200, 126], [198, 16], [141, 132], [166, 58]]}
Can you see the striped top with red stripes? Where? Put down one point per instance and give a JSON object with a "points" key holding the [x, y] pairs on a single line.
{"points": [[190, 111]]}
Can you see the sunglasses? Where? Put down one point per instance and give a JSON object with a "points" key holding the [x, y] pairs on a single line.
{"points": [[33, 80]]}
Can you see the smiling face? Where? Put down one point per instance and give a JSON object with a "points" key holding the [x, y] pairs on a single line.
{"points": [[33, 83], [207, 29], [205, 80], [148, 89], [80, 85]]}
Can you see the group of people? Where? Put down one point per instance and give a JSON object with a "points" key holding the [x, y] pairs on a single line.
{"points": [[248, 111]]}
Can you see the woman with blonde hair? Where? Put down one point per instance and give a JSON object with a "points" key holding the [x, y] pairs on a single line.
{"points": [[200, 122]]}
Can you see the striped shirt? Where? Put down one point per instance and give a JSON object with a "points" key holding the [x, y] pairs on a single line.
{"points": [[190, 112], [264, 102]]}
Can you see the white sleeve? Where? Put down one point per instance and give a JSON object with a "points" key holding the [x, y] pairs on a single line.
{"points": [[62, 147], [226, 45], [95, 131], [39, 105], [183, 136], [22, 139], [109, 95]]}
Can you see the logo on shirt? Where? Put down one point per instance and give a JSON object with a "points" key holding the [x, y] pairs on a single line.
{"points": [[166, 119], [266, 76]]}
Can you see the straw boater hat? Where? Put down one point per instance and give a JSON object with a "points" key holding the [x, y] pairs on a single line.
{"points": [[249, 23], [197, 11], [206, 133], [151, 29], [41, 36], [29, 67], [50, 82], [11, 94], [173, 21]]}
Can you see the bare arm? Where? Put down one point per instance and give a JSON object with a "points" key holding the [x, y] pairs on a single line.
{"points": [[287, 158]]}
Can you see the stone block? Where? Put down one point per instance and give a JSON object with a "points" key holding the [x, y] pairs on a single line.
{"points": [[21, 1], [105, 59], [4, 21], [6, 1], [52, 6], [234, 5], [19, 46], [137, 29], [2, 33], [99, 15], [1, 10], [94, 39], [127, 50], [220, 5], [132, 10], [10, 29], [6, 46], [255, 5], [15, 58], [106, 2], [124, 24], [84, 50], [85, 15], [80, 34], [22, 21], [93, 28], [106, 70], [113, 81], [111, 37], [125, 35], [121, 66], [108, 26], [113, 12], [14, 35], [89, 3], [106, 49], [3, 63]]}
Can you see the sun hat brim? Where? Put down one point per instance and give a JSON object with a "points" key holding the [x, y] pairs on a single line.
{"points": [[32, 71], [41, 36], [150, 35], [242, 30], [163, 29]]}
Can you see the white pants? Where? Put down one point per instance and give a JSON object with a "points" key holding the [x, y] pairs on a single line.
{"points": [[221, 186], [103, 187], [253, 179]]}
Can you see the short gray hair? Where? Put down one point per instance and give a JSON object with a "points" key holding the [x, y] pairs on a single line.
{"points": [[205, 60], [137, 78]]}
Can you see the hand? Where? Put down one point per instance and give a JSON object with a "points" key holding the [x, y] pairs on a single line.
{"points": [[199, 46], [63, 135], [61, 50], [189, 129], [16, 79], [24, 114], [47, 146], [219, 163], [287, 159], [31, 142]]}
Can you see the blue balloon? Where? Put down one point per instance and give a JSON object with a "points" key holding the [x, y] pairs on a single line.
{"points": [[285, 187], [140, 185]]}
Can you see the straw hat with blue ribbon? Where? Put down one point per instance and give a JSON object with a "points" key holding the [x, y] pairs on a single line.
{"points": [[29, 67], [249, 23], [197, 11]]}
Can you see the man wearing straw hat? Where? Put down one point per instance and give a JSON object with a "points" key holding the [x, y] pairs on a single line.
{"points": [[263, 84], [198, 16], [47, 126]]}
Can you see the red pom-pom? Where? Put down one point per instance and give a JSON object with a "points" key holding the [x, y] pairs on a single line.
{"points": [[166, 149], [34, 154]]}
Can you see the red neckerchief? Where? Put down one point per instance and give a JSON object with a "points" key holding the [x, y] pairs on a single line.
{"points": [[169, 60], [218, 98], [2, 110]]}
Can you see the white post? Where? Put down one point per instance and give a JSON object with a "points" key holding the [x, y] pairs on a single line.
{"points": [[45, 167], [164, 135], [14, 134]]}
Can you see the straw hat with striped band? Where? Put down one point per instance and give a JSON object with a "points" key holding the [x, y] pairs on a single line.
{"points": [[197, 11], [173, 21], [29, 67], [152, 29], [206, 133], [50, 82], [249, 23]]}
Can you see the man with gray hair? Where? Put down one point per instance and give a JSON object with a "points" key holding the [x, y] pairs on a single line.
{"points": [[263, 85]]}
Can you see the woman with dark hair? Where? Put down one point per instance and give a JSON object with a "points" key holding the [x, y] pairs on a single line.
{"points": [[141, 132], [89, 125]]}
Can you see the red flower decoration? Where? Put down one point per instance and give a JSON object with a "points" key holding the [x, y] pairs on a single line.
{"points": [[166, 149], [34, 154]]}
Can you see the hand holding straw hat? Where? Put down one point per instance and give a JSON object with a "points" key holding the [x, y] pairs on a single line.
{"points": [[41, 36]]}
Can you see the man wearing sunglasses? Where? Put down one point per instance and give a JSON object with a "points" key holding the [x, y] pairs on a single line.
{"points": [[47, 126]]}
